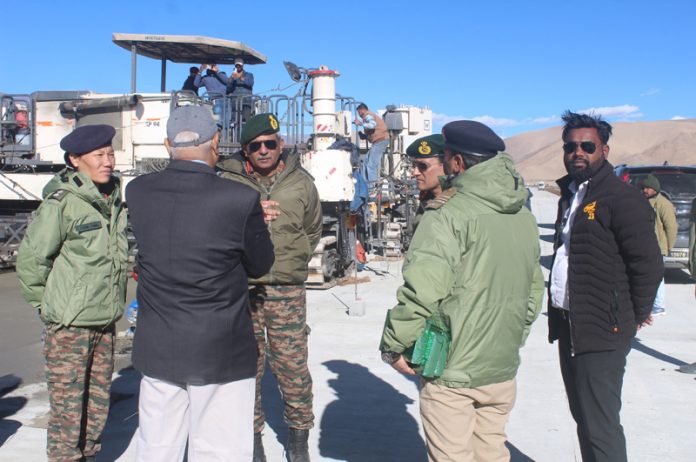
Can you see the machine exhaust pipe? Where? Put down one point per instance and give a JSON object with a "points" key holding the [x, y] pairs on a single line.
{"points": [[98, 105]]}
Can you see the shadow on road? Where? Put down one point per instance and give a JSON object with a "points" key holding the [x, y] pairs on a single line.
{"points": [[551, 226], [516, 455], [123, 414], [9, 406], [273, 405], [546, 261], [677, 276], [637, 344], [368, 421]]}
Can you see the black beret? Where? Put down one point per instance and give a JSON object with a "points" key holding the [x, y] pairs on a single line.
{"points": [[471, 137], [261, 124], [86, 139], [427, 146]]}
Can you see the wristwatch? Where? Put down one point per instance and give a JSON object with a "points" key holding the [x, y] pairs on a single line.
{"points": [[390, 357]]}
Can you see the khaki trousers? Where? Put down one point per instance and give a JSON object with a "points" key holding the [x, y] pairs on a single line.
{"points": [[467, 424]]}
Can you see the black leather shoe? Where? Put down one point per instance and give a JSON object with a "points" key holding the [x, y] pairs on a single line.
{"points": [[259, 453], [296, 448]]}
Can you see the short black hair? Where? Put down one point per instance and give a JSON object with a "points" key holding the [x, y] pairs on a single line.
{"points": [[574, 120], [362, 106], [470, 161], [193, 69]]}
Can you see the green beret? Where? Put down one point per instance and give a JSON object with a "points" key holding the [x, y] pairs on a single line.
{"points": [[261, 124], [427, 146], [651, 181]]}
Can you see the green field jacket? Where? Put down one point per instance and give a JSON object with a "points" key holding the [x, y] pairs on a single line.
{"points": [[296, 232], [72, 263], [476, 258]]}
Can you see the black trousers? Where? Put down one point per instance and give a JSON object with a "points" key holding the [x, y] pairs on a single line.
{"points": [[593, 383]]}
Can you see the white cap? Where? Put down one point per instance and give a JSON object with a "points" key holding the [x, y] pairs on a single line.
{"points": [[239, 61]]}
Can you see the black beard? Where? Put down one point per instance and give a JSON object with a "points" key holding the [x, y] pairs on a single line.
{"points": [[580, 176]]}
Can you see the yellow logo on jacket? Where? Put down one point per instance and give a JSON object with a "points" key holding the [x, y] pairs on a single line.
{"points": [[590, 209]]}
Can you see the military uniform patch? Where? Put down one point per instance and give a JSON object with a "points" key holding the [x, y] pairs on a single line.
{"points": [[273, 121], [88, 227], [441, 199], [58, 195]]}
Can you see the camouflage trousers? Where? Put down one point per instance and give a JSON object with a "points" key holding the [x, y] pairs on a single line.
{"points": [[79, 365], [280, 326]]}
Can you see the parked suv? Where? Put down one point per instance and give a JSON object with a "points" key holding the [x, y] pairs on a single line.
{"points": [[679, 186]]}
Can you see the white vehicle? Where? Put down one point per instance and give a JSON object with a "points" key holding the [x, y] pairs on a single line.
{"points": [[31, 127]]}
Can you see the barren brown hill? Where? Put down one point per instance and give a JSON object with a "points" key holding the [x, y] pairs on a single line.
{"points": [[538, 154]]}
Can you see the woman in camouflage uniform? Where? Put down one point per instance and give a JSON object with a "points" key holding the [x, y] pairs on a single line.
{"points": [[72, 267]]}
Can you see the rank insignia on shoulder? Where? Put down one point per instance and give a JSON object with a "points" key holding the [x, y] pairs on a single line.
{"points": [[58, 195], [441, 199]]}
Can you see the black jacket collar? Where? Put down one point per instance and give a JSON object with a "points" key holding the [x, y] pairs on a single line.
{"points": [[190, 166]]}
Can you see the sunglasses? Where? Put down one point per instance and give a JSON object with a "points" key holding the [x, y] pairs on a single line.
{"points": [[256, 145], [420, 166], [587, 146]]}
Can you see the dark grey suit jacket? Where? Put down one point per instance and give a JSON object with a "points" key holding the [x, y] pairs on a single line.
{"points": [[199, 238]]}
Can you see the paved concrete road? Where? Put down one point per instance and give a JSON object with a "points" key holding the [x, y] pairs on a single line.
{"points": [[365, 411], [21, 357]]}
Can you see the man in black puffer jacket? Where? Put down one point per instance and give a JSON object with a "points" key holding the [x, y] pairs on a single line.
{"points": [[606, 269]]}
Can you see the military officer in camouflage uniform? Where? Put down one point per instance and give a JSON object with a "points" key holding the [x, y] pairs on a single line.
{"points": [[428, 170], [278, 299], [72, 268]]}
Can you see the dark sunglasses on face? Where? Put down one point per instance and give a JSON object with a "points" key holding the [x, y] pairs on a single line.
{"points": [[421, 166], [587, 146], [256, 145]]}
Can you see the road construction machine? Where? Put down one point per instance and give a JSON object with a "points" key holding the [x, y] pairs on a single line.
{"points": [[316, 121]]}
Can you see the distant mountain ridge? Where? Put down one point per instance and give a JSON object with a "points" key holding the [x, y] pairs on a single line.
{"points": [[538, 155]]}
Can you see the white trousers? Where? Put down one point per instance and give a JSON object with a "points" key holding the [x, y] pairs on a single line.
{"points": [[217, 420]]}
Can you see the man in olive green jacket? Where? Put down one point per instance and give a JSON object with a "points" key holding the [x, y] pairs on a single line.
{"points": [[665, 229], [475, 258], [291, 200], [72, 267], [427, 169]]}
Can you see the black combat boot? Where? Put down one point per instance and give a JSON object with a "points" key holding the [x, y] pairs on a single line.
{"points": [[259, 453], [296, 448]]}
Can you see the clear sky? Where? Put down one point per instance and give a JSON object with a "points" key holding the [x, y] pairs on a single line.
{"points": [[514, 65]]}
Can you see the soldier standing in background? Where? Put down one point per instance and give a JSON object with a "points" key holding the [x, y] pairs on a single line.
{"points": [[72, 267], [278, 299], [665, 229], [427, 167]]}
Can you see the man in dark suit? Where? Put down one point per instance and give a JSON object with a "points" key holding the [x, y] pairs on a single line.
{"points": [[195, 343]]}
